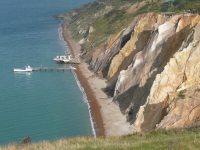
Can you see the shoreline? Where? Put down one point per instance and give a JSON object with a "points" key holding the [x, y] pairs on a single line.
{"points": [[93, 104], [106, 116]]}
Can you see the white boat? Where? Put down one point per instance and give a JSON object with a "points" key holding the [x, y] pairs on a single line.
{"points": [[25, 69], [64, 59]]}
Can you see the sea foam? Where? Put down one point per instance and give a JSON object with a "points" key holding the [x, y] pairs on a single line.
{"points": [[85, 100]]}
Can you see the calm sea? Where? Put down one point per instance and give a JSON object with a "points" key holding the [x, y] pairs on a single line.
{"points": [[43, 105]]}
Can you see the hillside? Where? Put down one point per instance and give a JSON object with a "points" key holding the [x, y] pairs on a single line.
{"points": [[94, 23], [175, 139]]}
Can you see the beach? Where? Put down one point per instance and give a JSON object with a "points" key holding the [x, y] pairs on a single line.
{"points": [[107, 118]]}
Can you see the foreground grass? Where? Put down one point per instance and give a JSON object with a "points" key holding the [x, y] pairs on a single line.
{"points": [[175, 139]]}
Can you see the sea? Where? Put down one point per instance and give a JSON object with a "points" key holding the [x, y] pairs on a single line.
{"points": [[45, 105]]}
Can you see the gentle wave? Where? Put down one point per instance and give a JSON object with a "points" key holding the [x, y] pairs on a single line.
{"points": [[86, 101], [60, 31]]}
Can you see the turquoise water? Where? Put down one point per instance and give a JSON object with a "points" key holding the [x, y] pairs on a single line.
{"points": [[43, 105]]}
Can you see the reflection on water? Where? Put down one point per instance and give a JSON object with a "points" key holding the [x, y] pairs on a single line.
{"points": [[20, 74], [23, 77]]}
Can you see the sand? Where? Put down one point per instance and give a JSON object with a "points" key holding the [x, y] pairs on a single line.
{"points": [[107, 118]]}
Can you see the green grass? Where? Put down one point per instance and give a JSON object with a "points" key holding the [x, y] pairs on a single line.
{"points": [[110, 24], [182, 94], [179, 139], [181, 5]]}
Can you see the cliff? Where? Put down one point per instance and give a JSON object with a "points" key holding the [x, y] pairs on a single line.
{"points": [[150, 61], [153, 71]]}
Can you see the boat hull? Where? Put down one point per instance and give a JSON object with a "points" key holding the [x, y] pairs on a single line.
{"points": [[25, 69], [22, 70]]}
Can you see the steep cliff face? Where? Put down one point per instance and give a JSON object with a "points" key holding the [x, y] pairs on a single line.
{"points": [[177, 87], [153, 69], [102, 62], [140, 37]]}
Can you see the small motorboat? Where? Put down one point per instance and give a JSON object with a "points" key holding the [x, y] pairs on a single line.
{"points": [[25, 69]]}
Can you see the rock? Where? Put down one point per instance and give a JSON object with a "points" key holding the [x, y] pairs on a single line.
{"points": [[82, 41], [152, 79], [26, 141], [101, 64], [140, 36], [91, 29], [149, 66]]}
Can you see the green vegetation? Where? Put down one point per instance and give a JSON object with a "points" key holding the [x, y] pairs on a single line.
{"points": [[179, 139], [110, 24], [184, 5], [182, 94], [108, 17]]}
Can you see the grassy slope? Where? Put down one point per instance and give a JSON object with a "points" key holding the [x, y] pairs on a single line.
{"points": [[175, 139], [119, 18]]}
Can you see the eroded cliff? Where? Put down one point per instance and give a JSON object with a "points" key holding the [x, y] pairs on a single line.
{"points": [[152, 68]]}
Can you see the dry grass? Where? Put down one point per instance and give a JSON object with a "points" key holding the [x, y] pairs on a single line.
{"points": [[175, 139]]}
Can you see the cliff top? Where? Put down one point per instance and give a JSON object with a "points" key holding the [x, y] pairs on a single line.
{"points": [[95, 22], [174, 139]]}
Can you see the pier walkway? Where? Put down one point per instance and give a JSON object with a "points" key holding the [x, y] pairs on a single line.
{"points": [[53, 69]]}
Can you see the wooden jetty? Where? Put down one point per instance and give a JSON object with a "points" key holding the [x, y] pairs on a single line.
{"points": [[53, 69]]}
